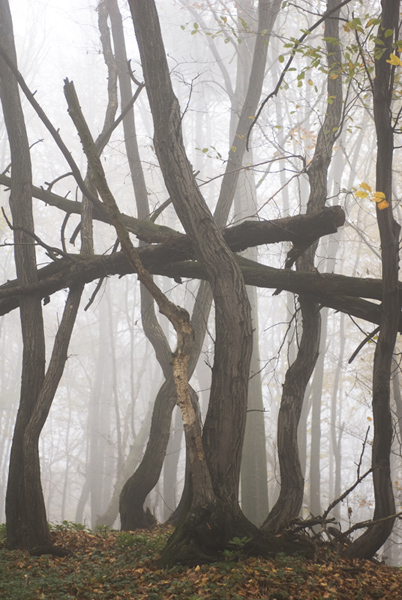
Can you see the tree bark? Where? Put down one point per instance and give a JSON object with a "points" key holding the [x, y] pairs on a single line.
{"points": [[25, 508], [342, 293], [375, 536], [208, 522]]}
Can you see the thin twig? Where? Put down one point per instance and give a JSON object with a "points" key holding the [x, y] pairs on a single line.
{"points": [[346, 493], [51, 250], [362, 452], [369, 523]]}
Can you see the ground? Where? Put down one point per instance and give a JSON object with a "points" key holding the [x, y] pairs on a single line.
{"points": [[121, 565]]}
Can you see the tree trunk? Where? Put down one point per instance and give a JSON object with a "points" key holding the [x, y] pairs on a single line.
{"points": [[179, 318], [170, 468], [290, 498], [25, 508], [292, 482], [373, 538], [146, 476], [209, 520], [209, 523], [140, 484]]}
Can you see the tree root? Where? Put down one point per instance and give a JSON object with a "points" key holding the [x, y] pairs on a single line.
{"points": [[203, 535], [49, 549]]}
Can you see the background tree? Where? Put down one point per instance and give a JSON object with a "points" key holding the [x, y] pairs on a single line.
{"points": [[284, 144]]}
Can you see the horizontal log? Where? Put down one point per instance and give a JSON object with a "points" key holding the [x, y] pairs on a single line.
{"points": [[301, 230], [170, 258], [346, 294]]}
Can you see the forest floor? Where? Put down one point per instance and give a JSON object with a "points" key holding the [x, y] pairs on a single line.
{"points": [[120, 565]]}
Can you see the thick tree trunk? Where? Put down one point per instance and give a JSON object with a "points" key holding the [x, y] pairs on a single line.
{"points": [[179, 318], [209, 523]]}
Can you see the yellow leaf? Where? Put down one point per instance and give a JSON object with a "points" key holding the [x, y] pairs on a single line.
{"points": [[394, 60], [361, 194], [380, 195], [383, 204], [365, 186]]}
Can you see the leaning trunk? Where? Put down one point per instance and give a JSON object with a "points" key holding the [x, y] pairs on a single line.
{"points": [[228, 401]]}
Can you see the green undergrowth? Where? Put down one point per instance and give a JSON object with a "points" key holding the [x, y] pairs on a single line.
{"points": [[117, 565]]}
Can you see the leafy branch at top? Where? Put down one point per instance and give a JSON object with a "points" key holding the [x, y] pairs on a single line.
{"points": [[325, 16]]}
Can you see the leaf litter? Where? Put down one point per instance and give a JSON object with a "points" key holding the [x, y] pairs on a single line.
{"points": [[117, 565]]}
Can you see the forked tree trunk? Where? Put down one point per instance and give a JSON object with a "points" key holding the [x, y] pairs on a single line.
{"points": [[201, 478], [137, 487], [209, 521], [233, 324]]}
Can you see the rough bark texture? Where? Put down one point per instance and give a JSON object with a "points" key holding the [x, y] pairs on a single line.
{"points": [[342, 293], [228, 399], [374, 537], [300, 230]]}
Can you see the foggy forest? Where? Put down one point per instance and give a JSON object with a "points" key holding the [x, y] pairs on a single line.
{"points": [[199, 259]]}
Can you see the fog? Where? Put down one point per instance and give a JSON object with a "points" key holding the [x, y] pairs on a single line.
{"points": [[97, 430]]}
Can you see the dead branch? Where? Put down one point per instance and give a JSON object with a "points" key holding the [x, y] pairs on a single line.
{"points": [[346, 493]]}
